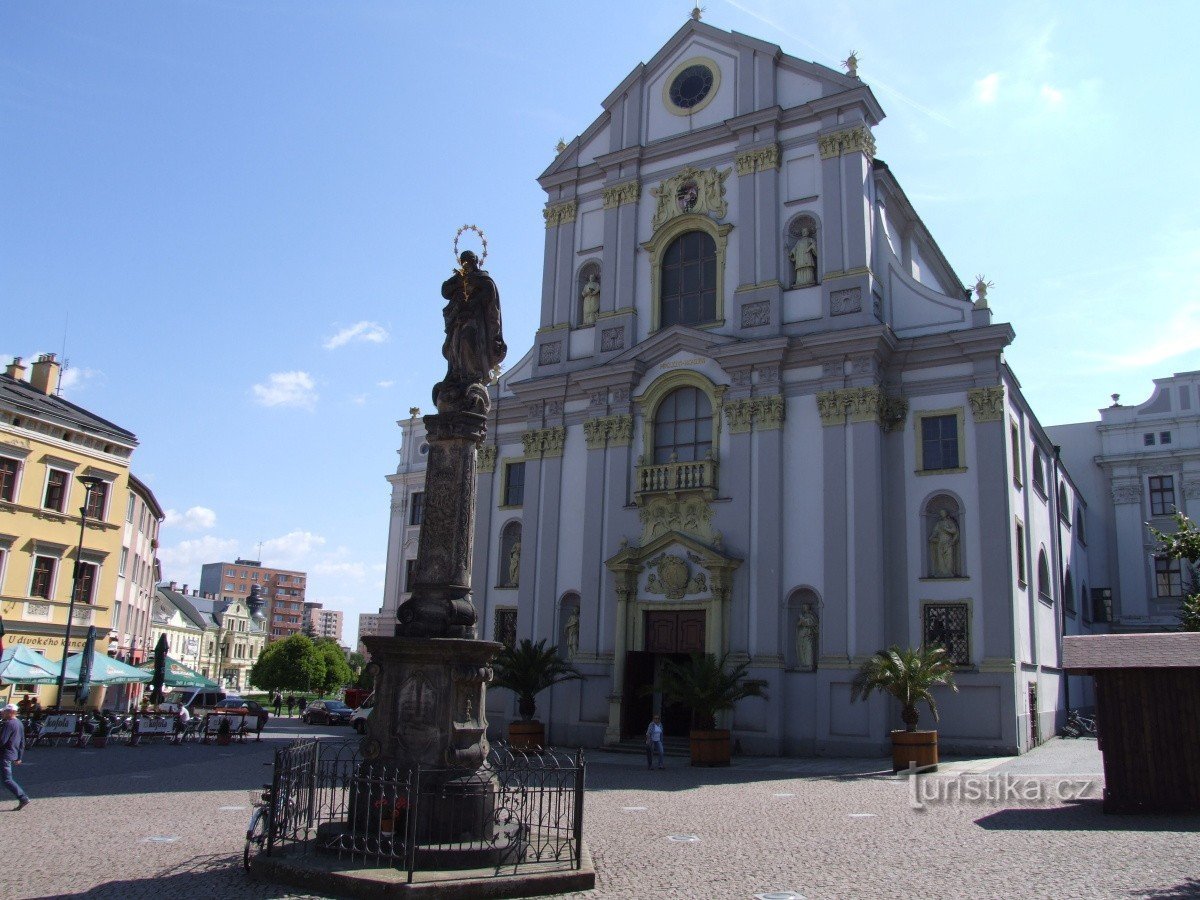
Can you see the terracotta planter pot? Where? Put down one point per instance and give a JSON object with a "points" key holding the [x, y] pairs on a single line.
{"points": [[711, 748], [917, 747], [526, 735]]}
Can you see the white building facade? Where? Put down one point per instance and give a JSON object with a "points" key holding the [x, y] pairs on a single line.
{"points": [[763, 418]]}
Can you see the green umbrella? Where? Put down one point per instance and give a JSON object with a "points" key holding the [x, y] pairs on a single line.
{"points": [[85, 668], [180, 676], [20, 665], [106, 671], [160, 669]]}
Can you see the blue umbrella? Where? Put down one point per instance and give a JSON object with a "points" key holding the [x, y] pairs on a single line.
{"points": [[85, 667]]}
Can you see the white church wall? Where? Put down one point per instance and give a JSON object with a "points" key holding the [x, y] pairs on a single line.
{"points": [[661, 122], [803, 479], [570, 533], [596, 145]]}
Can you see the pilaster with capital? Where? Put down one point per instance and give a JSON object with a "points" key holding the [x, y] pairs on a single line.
{"points": [[987, 403]]}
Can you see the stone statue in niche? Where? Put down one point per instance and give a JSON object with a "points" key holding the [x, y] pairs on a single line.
{"points": [[514, 564], [943, 546], [591, 300], [804, 259], [806, 639], [572, 633]]}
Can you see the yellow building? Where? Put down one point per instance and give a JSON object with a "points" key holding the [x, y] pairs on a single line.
{"points": [[47, 445]]}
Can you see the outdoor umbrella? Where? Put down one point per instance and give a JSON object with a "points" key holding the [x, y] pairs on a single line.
{"points": [[20, 665], [85, 669], [180, 676], [106, 671], [160, 669]]}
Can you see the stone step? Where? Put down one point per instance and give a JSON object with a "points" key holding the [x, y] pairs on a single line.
{"points": [[672, 746]]}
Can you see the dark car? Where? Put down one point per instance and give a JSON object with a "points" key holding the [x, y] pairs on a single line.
{"points": [[327, 712], [255, 708]]}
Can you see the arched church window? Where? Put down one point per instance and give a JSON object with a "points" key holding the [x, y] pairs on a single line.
{"points": [[510, 556], [943, 535], [688, 295], [1043, 578], [683, 426], [1068, 592]]}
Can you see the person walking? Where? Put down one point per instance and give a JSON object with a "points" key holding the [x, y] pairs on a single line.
{"points": [[12, 752], [277, 702], [303, 705], [291, 703], [654, 743]]}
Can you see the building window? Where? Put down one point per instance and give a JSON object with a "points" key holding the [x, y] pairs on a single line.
{"points": [[1039, 471], [410, 569], [1162, 495], [1079, 525], [85, 584], [939, 442], [514, 484], [504, 629], [129, 509], [1064, 504], [1020, 538], [1083, 601], [231, 573], [1068, 593], [97, 499], [1015, 438], [1164, 437], [1148, 439], [42, 584], [947, 625], [688, 294], [1168, 577], [683, 426], [1043, 578], [56, 490], [8, 478], [124, 561], [416, 515]]}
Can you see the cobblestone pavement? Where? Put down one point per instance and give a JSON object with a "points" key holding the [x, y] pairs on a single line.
{"points": [[820, 828]]}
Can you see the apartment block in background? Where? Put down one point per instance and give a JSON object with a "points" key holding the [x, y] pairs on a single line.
{"points": [[283, 589]]}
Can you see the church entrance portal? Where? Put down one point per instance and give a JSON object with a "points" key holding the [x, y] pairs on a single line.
{"points": [[670, 636]]}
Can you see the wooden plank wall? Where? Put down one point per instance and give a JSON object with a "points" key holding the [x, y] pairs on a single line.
{"points": [[1149, 723]]}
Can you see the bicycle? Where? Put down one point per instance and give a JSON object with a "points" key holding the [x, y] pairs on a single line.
{"points": [[1078, 726], [260, 822]]}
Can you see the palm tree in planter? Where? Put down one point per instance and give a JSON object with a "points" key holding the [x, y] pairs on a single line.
{"points": [[707, 686], [909, 676], [528, 669]]}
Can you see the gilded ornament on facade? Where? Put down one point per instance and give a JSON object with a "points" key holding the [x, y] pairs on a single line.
{"points": [[850, 140], [560, 213], [762, 159], [987, 403], [544, 442], [620, 194], [485, 461], [691, 190], [674, 579]]}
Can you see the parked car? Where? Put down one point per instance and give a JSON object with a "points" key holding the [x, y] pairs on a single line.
{"points": [[327, 712], [255, 708], [358, 720], [195, 700]]}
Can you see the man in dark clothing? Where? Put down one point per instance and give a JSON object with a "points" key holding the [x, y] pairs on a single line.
{"points": [[277, 702], [12, 751], [291, 704], [303, 704]]}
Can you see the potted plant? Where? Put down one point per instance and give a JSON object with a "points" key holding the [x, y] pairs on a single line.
{"points": [[707, 686], [909, 676], [528, 669], [224, 732], [100, 735]]}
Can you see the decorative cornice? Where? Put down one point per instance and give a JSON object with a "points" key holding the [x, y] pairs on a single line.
{"points": [[620, 194], [485, 461], [987, 403], [763, 413], [560, 213], [613, 431], [544, 442], [861, 404], [850, 140], [762, 159]]}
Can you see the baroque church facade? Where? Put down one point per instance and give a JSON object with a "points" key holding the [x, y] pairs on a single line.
{"points": [[764, 418]]}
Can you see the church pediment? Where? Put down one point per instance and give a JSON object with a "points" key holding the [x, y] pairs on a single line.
{"points": [[700, 557], [671, 341]]}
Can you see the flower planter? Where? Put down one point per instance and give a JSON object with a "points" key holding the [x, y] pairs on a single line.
{"points": [[524, 735], [711, 748], [919, 748]]}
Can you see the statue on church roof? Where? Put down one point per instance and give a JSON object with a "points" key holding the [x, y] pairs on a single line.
{"points": [[850, 63]]}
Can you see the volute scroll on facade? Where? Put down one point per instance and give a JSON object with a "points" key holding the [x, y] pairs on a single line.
{"points": [[761, 413], [987, 403], [544, 442]]}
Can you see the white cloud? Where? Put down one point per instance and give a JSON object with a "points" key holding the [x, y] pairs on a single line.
{"points": [[77, 377], [368, 332], [354, 570], [1180, 335], [287, 389], [1052, 96], [197, 518], [292, 548], [359, 399], [384, 384], [987, 88], [182, 562]]}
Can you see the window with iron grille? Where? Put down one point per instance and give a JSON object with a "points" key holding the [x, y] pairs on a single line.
{"points": [[505, 630], [43, 577], [947, 625], [1162, 495], [416, 514], [1168, 577], [56, 490], [683, 426], [8, 478], [514, 484], [688, 295], [939, 442]]}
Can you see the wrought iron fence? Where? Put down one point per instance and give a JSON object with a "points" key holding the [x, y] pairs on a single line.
{"points": [[521, 809]]}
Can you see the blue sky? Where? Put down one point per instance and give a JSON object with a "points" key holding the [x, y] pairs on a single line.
{"points": [[236, 216]]}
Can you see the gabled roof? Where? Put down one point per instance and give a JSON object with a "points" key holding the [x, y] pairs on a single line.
{"points": [[187, 608], [20, 395], [1146, 650]]}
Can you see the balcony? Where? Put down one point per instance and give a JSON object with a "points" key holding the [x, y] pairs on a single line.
{"points": [[699, 476]]}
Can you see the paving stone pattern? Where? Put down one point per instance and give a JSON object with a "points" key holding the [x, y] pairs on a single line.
{"points": [[848, 831]]}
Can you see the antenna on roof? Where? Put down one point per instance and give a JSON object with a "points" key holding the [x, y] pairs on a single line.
{"points": [[66, 363], [260, 552]]}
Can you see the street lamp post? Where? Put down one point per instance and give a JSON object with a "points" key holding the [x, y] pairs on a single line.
{"points": [[90, 483]]}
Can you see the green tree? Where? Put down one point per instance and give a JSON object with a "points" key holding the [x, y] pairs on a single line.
{"points": [[357, 663], [337, 672], [293, 664], [909, 676], [528, 669], [707, 686], [1183, 544]]}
